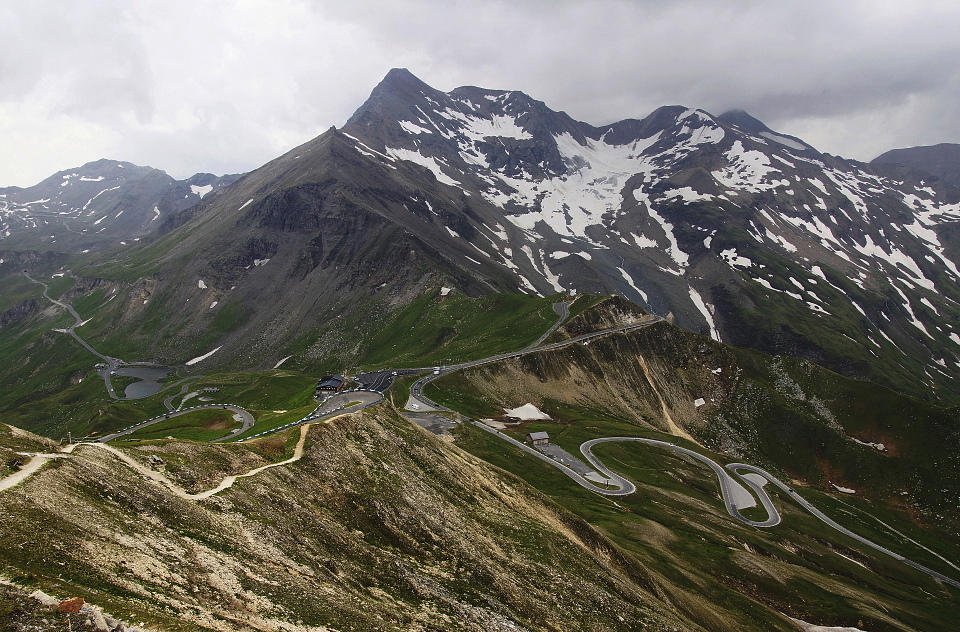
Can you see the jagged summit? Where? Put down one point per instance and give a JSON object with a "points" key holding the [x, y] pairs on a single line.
{"points": [[394, 97]]}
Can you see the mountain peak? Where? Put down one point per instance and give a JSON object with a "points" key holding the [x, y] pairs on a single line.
{"points": [[744, 121], [398, 89], [942, 160], [400, 76]]}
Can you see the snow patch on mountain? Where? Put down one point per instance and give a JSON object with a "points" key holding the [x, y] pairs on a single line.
{"points": [[702, 308], [201, 358], [746, 170], [730, 256], [629, 280], [424, 161], [98, 195], [496, 126], [706, 132], [413, 128], [679, 257], [686, 194], [201, 191], [570, 203], [783, 140]]}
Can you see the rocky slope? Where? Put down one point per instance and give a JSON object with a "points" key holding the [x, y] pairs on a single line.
{"points": [[380, 526], [388, 529], [941, 160]]}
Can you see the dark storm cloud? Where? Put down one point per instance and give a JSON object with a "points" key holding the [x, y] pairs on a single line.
{"points": [[225, 85]]}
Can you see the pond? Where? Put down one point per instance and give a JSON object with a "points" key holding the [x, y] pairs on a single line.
{"points": [[149, 377]]}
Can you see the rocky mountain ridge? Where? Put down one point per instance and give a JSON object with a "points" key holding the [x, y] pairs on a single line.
{"points": [[941, 160], [100, 204], [744, 234], [749, 236]]}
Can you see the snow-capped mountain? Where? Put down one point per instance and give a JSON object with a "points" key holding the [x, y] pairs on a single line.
{"points": [[750, 236], [739, 232], [105, 201]]}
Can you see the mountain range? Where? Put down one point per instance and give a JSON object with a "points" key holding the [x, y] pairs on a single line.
{"points": [[735, 231], [98, 205], [800, 311]]}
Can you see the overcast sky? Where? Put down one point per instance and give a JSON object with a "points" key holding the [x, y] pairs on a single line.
{"points": [[225, 85]]}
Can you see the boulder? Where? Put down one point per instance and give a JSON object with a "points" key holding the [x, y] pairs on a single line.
{"points": [[99, 621], [44, 598], [71, 606]]}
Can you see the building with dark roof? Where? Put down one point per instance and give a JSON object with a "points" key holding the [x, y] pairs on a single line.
{"points": [[330, 384], [539, 438]]}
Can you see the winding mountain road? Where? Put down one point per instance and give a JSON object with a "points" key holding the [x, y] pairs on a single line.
{"points": [[735, 496], [240, 414], [425, 403], [735, 487], [112, 364]]}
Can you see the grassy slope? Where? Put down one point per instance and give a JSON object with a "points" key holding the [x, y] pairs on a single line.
{"points": [[455, 328], [675, 526], [52, 389], [807, 403]]}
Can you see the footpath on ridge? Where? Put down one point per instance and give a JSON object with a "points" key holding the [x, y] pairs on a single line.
{"points": [[738, 491]]}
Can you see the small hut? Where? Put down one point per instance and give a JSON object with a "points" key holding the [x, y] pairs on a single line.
{"points": [[538, 438]]}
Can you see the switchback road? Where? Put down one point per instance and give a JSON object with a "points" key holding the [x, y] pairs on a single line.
{"points": [[240, 414], [732, 491]]}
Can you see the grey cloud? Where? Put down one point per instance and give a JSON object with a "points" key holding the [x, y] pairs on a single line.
{"points": [[87, 60], [225, 84]]}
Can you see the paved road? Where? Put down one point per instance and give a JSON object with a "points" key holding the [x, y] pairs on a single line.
{"points": [[735, 496], [246, 420], [333, 406], [168, 402], [112, 364], [560, 466], [382, 380], [562, 310], [425, 403], [734, 467]]}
